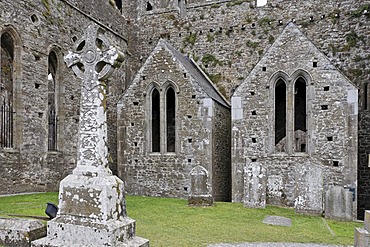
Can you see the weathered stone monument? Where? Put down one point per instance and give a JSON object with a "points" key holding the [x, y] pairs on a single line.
{"points": [[362, 235], [338, 203], [92, 210], [199, 191], [254, 185]]}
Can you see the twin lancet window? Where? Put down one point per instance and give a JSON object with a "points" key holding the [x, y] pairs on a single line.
{"points": [[290, 116], [163, 120]]}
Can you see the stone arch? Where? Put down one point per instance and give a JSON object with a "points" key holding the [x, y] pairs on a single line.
{"points": [[55, 99], [170, 110], [10, 128]]}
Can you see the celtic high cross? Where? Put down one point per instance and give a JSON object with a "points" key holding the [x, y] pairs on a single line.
{"points": [[93, 61]]}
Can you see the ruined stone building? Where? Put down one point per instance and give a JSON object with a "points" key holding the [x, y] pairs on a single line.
{"points": [[171, 119], [294, 128], [230, 41]]}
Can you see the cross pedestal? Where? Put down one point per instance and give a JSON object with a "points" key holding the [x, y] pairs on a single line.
{"points": [[92, 208]]}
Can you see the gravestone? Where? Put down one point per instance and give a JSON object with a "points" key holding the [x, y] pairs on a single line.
{"points": [[92, 209], [277, 220], [254, 185], [362, 235], [338, 203], [199, 191]]}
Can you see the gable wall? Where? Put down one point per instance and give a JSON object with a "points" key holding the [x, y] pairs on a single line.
{"points": [[164, 174], [284, 172]]}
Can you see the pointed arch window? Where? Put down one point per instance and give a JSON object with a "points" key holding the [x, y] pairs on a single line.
{"points": [[52, 101], [6, 91], [280, 116], [171, 120], [300, 122], [156, 121], [162, 123], [290, 112]]}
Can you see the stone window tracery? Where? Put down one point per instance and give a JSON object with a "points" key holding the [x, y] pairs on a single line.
{"points": [[290, 114], [162, 122]]}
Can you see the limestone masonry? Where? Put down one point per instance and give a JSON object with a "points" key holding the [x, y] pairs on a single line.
{"points": [[272, 100]]}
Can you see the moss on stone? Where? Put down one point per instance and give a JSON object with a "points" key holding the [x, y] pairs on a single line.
{"points": [[211, 60], [360, 11], [252, 44]]}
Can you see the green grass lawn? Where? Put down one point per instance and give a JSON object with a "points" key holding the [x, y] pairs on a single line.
{"points": [[170, 222]]}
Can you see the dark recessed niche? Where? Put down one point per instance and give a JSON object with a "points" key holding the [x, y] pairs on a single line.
{"points": [[190, 116], [254, 160], [40, 114], [72, 97], [311, 18], [34, 18], [193, 96], [190, 140], [253, 24], [37, 57], [252, 93], [330, 138], [326, 88], [263, 68], [189, 160], [186, 188], [185, 75], [179, 34], [314, 64], [144, 77], [37, 85], [211, 30], [254, 113], [136, 103], [324, 107], [335, 163], [74, 38], [267, 87], [132, 124], [135, 143], [322, 16], [254, 140]]}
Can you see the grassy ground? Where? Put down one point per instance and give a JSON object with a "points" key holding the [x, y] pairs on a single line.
{"points": [[170, 222]]}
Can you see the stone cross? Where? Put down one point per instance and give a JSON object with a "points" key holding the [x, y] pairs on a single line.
{"points": [[93, 62]]}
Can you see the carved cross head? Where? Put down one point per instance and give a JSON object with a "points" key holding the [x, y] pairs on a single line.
{"points": [[94, 58]]}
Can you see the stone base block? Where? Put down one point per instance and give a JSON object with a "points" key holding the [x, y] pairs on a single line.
{"points": [[20, 232], [200, 200], [362, 238], [67, 231], [367, 220]]}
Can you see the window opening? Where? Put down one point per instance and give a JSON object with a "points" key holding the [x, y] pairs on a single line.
{"points": [[6, 91], [171, 120], [149, 7], [300, 128], [52, 94], [118, 4], [155, 121], [261, 3], [280, 116]]}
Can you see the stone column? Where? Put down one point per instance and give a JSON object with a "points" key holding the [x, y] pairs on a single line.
{"points": [[92, 208]]}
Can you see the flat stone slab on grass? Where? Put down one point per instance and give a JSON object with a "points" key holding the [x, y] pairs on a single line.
{"points": [[20, 232], [273, 245], [277, 221]]}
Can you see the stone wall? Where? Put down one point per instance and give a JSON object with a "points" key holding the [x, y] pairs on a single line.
{"points": [[162, 173], [43, 26], [229, 37]]}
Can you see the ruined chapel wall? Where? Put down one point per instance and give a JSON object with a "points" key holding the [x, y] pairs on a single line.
{"points": [[161, 173], [42, 26]]}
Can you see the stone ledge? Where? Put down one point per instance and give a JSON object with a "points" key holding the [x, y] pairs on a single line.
{"points": [[20, 232], [362, 238]]}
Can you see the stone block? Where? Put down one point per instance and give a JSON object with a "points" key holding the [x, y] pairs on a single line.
{"points": [[254, 185], [367, 220], [308, 189], [338, 203], [20, 232], [199, 191], [362, 238]]}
